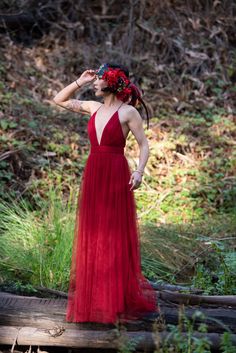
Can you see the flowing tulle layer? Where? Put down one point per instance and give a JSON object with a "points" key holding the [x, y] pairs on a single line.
{"points": [[106, 283]]}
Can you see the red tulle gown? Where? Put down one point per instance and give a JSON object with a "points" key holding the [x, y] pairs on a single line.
{"points": [[106, 283]]}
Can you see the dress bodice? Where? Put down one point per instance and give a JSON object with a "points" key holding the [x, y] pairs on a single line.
{"points": [[112, 134]]}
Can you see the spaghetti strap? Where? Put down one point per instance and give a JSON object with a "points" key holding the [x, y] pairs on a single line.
{"points": [[97, 109], [120, 106], [102, 105]]}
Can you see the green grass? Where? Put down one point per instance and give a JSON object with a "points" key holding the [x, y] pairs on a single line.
{"points": [[189, 336], [36, 243], [166, 249], [217, 273]]}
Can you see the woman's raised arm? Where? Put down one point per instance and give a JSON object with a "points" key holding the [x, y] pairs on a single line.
{"points": [[63, 97]]}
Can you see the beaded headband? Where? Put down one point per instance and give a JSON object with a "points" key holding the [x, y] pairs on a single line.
{"points": [[102, 69]]}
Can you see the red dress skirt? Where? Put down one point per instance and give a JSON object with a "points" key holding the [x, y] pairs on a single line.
{"points": [[106, 283]]}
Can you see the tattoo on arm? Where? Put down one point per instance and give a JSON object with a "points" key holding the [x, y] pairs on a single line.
{"points": [[74, 105]]}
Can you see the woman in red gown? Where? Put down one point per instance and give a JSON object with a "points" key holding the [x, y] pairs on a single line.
{"points": [[106, 283]]}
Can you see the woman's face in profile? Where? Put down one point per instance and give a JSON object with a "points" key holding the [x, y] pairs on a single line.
{"points": [[98, 85]]}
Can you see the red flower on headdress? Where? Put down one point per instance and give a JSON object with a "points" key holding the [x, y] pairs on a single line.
{"points": [[118, 83], [124, 94]]}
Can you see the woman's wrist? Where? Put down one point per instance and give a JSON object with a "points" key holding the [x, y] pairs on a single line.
{"points": [[139, 171], [78, 84]]}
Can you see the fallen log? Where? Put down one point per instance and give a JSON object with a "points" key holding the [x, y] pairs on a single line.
{"points": [[52, 291], [41, 321], [112, 339], [174, 288], [156, 286], [45, 312], [216, 322], [168, 293], [191, 299]]}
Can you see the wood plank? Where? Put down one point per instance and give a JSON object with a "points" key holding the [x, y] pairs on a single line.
{"points": [[112, 339], [48, 312], [174, 297], [217, 319], [191, 299], [156, 286]]}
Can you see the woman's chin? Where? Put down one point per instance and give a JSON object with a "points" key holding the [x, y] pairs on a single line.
{"points": [[98, 93]]}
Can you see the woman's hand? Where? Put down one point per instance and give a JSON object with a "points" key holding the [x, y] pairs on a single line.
{"points": [[135, 180], [86, 77]]}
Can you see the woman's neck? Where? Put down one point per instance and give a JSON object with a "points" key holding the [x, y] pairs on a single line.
{"points": [[111, 101]]}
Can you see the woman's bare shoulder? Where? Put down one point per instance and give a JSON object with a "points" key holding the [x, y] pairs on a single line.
{"points": [[94, 105], [129, 112], [89, 107]]}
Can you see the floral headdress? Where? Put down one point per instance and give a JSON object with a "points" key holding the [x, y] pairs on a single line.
{"points": [[117, 82]]}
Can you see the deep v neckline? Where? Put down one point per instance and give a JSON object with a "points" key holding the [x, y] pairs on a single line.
{"points": [[94, 120]]}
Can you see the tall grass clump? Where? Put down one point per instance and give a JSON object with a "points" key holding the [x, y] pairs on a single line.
{"points": [[194, 253], [166, 250], [35, 244]]}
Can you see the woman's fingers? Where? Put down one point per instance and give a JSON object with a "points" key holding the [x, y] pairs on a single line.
{"points": [[131, 181], [88, 76], [135, 185], [135, 182], [90, 72]]}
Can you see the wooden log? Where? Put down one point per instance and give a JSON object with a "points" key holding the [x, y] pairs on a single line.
{"points": [[156, 286], [175, 288], [44, 312], [169, 296], [44, 315], [191, 299], [52, 291], [113, 339], [166, 293]]}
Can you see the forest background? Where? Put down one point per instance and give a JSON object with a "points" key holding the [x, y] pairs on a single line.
{"points": [[183, 55]]}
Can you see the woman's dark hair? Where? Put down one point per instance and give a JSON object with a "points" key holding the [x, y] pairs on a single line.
{"points": [[121, 67], [136, 95]]}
